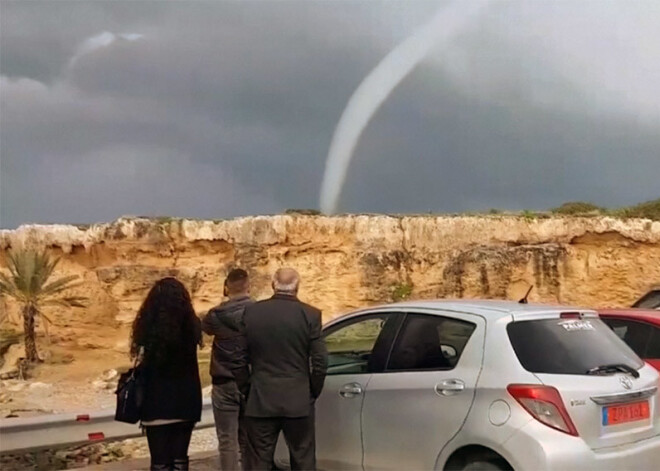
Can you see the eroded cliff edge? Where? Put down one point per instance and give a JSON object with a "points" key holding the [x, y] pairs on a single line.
{"points": [[352, 261]]}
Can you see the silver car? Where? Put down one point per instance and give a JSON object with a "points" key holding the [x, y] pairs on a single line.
{"points": [[491, 385]]}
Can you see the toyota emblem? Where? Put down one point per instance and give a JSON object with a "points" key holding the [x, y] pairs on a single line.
{"points": [[626, 382]]}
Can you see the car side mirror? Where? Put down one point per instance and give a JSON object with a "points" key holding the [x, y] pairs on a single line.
{"points": [[448, 351]]}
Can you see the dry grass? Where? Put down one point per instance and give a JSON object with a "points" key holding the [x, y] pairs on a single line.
{"points": [[646, 210]]}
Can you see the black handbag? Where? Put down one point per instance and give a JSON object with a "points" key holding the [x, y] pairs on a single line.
{"points": [[130, 395]]}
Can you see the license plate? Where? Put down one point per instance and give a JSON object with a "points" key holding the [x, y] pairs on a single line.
{"points": [[621, 414]]}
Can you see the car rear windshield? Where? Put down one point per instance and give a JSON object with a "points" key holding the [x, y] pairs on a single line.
{"points": [[568, 346]]}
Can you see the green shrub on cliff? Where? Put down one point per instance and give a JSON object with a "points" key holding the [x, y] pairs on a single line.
{"points": [[647, 210], [302, 212], [573, 208]]}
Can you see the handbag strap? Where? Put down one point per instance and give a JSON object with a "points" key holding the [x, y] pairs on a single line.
{"points": [[140, 356]]}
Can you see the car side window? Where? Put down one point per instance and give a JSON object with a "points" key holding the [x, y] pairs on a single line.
{"points": [[635, 334], [429, 342], [359, 345], [653, 350]]}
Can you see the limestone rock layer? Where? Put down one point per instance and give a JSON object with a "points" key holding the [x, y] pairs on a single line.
{"points": [[348, 262]]}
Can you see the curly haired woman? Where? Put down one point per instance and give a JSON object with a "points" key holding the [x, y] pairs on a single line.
{"points": [[166, 333]]}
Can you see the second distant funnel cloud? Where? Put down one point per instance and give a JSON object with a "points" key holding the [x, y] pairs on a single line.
{"points": [[379, 84]]}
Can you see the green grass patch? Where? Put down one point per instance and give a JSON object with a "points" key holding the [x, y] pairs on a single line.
{"points": [[529, 215], [303, 212], [646, 210], [577, 208]]}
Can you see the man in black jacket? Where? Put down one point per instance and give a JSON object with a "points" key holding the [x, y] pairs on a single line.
{"points": [[229, 369], [289, 361]]}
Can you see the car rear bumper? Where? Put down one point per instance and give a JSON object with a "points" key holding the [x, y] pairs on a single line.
{"points": [[538, 447]]}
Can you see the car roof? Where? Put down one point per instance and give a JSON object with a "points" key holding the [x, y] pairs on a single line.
{"points": [[648, 315], [490, 308]]}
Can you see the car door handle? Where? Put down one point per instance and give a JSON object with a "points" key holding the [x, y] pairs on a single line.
{"points": [[350, 390], [449, 387]]}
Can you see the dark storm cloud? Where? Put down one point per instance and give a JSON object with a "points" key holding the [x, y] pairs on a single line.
{"points": [[468, 156], [228, 108]]}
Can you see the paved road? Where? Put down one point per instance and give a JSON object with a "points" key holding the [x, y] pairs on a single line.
{"points": [[201, 462]]}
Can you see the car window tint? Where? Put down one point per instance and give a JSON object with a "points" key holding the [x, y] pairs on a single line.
{"points": [[568, 346], [428, 342], [635, 334], [653, 350], [351, 344]]}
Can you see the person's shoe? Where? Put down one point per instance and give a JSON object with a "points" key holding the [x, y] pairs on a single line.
{"points": [[160, 467], [181, 464]]}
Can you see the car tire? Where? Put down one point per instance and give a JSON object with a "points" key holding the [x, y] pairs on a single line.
{"points": [[479, 465]]}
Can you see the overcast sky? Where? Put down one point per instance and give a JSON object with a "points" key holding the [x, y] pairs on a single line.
{"points": [[214, 109]]}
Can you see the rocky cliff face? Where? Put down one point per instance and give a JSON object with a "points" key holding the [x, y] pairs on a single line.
{"points": [[352, 261]]}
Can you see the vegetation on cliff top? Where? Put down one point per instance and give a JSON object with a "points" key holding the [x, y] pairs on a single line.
{"points": [[646, 210], [649, 210], [578, 207]]}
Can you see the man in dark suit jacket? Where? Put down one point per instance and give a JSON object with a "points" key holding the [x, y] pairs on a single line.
{"points": [[289, 362]]}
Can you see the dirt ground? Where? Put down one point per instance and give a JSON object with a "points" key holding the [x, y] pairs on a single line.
{"points": [[78, 374]]}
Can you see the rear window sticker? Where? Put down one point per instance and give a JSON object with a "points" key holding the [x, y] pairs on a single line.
{"points": [[574, 325]]}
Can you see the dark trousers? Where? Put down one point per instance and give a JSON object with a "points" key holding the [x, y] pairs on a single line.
{"points": [[170, 442], [298, 434], [228, 405]]}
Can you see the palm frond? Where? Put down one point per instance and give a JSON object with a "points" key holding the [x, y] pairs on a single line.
{"points": [[40, 273], [45, 317], [8, 288], [46, 267], [69, 301], [31, 270], [57, 286], [76, 301], [6, 285], [17, 267]]}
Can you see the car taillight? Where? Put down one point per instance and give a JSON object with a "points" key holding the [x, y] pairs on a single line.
{"points": [[570, 315], [545, 405]]}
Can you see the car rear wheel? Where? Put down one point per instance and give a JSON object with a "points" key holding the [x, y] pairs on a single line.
{"points": [[479, 465]]}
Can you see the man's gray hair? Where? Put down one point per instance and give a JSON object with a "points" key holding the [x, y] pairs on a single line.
{"points": [[286, 280]]}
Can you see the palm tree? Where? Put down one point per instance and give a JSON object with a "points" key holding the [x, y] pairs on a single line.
{"points": [[28, 283]]}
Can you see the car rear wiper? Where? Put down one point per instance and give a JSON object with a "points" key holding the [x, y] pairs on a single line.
{"points": [[613, 368]]}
